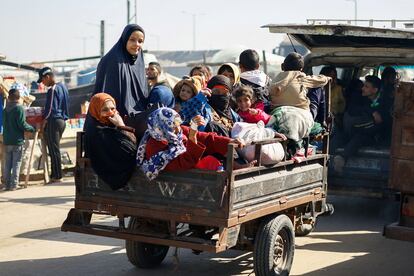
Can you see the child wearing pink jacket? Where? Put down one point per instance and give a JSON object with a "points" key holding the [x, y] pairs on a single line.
{"points": [[250, 111]]}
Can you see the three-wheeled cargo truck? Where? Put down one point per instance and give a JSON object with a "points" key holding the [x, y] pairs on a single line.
{"points": [[256, 208]]}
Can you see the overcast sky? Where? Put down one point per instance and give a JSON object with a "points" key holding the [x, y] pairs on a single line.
{"points": [[54, 29]]}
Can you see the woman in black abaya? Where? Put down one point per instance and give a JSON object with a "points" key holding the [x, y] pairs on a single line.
{"points": [[121, 72]]}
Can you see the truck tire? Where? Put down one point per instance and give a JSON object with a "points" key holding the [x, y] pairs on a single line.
{"points": [[274, 247], [144, 255]]}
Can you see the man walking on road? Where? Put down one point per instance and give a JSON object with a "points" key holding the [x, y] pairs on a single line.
{"points": [[55, 114]]}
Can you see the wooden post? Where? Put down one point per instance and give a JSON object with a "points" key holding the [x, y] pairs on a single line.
{"points": [[26, 181], [45, 161]]}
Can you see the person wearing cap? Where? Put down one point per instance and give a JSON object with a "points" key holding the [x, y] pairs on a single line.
{"points": [[121, 72], [55, 114], [161, 92], [14, 122]]}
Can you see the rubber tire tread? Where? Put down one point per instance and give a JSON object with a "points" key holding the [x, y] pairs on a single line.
{"points": [[263, 245], [136, 253]]}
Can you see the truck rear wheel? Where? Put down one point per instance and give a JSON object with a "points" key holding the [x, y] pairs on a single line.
{"points": [[144, 255], [274, 247]]}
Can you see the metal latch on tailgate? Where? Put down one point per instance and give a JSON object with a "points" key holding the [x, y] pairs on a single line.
{"points": [[242, 213], [317, 191]]}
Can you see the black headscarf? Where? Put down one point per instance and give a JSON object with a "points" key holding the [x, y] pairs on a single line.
{"points": [[123, 76], [220, 103]]}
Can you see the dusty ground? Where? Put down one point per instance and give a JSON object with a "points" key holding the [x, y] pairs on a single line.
{"points": [[347, 243]]}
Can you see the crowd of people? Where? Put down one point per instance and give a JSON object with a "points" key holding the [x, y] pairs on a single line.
{"points": [[190, 124], [56, 112]]}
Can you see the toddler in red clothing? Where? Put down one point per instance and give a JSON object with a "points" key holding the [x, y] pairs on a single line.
{"points": [[250, 111]]}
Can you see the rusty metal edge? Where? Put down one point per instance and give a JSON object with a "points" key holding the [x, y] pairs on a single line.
{"points": [[272, 208], [138, 211], [398, 232], [140, 238]]}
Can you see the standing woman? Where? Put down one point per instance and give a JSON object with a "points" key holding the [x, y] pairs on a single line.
{"points": [[121, 72]]}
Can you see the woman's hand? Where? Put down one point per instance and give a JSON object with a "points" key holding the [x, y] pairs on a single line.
{"points": [[199, 120], [281, 136], [239, 143], [116, 120], [206, 92], [192, 135]]}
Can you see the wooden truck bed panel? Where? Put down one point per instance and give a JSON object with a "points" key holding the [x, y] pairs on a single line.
{"points": [[181, 190], [267, 186], [187, 195]]}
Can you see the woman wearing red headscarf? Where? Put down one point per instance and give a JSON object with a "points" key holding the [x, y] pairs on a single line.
{"points": [[109, 144]]}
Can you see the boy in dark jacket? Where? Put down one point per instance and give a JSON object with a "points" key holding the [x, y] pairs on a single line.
{"points": [[14, 126]]}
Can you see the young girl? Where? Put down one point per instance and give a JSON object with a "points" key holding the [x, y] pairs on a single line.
{"points": [[250, 111], [169, 146], [190, 102], [186, 89]]}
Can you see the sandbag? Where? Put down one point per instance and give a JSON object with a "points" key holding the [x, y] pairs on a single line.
{"points": [[271, 154]]}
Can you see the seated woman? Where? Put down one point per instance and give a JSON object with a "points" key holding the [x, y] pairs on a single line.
{"points": [[169, 146], [223, 115], [109, 144]]}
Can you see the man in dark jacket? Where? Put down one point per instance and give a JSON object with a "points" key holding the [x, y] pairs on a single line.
{"points": [[161, 92], [14, 122], [55, 114]]}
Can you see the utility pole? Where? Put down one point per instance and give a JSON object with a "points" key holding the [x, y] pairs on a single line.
{"points": [[355, 10], [194, 31], [84, 39], [134, 16], [102, 52], [128, 4], [194, 17]]}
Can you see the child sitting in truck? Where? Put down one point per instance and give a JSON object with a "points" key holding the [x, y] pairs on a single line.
{"points": [[168, 146], [186, 89], [289, 102], [250, 111], [190, 101]]}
